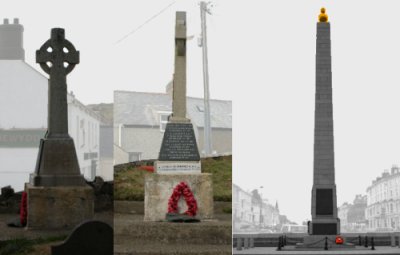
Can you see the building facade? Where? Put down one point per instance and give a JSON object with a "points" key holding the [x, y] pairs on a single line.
{"points": [[251, 212], [140, 120], [23, 115], [383, 202], [352, 216]]}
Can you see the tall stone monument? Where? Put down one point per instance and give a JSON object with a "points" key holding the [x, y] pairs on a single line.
{"points": [[179, 158], [323, 204], [58, 196], [325, 225]]}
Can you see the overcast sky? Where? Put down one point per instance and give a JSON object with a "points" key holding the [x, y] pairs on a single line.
{"points": [[142, 61], [274, 103], [261, 56]]}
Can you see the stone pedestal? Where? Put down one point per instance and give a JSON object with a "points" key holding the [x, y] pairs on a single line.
{"points": [[158, 189], [58, 207]]}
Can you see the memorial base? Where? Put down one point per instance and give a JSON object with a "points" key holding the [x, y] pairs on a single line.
{"points": [[317, 242], [58, 207], [159, 187], [57, 164]]}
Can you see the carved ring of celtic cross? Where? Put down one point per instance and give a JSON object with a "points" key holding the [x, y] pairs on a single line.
{"points": [[57, 54]]}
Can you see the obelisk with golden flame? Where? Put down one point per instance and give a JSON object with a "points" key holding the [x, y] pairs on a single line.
{"points": [[323, 205]]}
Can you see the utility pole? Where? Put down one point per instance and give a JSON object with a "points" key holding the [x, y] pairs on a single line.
{"points": [[204, 9]]}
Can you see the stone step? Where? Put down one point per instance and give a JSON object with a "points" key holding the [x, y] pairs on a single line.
{"points": [[212, 232], [127, 246]]}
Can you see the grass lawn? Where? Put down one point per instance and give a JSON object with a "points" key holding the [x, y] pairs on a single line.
{"points": [[129, 178], [27, 247]]}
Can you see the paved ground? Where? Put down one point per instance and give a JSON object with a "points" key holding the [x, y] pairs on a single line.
{"points": [[134, 236], [382, 250], [7, 233]]}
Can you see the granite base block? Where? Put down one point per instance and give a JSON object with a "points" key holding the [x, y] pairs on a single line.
{"points": [[58, 207], [159, 187]]}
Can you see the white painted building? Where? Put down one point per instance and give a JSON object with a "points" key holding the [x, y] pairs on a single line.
{"points": [[23, 116]]}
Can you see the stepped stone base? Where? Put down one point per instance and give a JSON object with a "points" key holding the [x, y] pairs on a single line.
{"points": [[159, 187], [58, 207], [318, 242]]}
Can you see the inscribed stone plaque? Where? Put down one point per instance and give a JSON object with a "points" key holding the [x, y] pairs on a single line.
{"points": [[324, 203], [173, 167], [179, 143], [324, 229]]}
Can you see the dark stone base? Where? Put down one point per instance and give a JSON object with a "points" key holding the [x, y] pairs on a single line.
{"points": [[57, 164], [324, 229]]}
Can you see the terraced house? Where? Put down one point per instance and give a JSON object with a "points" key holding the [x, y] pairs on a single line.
{"points": [[383, 202]]}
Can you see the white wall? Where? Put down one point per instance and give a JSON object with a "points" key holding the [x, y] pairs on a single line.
{"points": [[23, 105]]}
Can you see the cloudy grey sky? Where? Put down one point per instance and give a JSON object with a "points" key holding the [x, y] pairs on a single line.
{"points": [[274, 104], [261, 56], [141, 62]]}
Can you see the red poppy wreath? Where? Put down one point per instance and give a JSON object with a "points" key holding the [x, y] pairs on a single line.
{"points": [[182, 189]]}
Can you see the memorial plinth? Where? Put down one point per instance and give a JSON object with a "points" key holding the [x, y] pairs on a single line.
{"points": [[58, 207], [58, 196], [158, 189], [179, 158]]}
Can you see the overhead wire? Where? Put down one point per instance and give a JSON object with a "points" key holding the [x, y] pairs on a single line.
{"points": [[146, 22]]}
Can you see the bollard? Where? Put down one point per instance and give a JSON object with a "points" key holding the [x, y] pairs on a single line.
{"points": [[359, 241], [246, 243], [366, 242], [251, 242], [239, 244], [392, 240], [284, 240], [279, 244], [372, 244], [326, 243]]}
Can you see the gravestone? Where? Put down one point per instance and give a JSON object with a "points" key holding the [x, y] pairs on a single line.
{"points": [[179, 158], [92, 237], [58, 196], [325, 222]]}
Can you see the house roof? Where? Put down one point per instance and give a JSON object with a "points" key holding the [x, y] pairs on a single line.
{"points": [[143, 108]]}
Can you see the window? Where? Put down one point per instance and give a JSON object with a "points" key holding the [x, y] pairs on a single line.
{"points": [[135, 156], [163, 118]]}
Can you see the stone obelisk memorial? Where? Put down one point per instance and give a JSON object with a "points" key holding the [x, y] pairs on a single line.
{"points": [[58, 196], [179, 159], [325, 224], [323, 204]]}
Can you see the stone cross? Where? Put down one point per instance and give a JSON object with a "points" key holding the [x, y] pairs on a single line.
{"points": [[57, 57], [179, 82]]}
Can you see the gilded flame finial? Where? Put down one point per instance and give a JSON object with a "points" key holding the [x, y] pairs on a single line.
{"points": [[323, 17]]}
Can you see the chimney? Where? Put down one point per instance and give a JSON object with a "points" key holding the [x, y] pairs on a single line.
{"points": [[11, 40]]}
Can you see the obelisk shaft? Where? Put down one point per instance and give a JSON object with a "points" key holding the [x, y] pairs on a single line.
{"points": [[323, 205], [324, 167], [179, 82]]}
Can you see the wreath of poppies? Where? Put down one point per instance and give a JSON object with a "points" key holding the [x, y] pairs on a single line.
{"points": [[182, 189], [23, 212]]}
